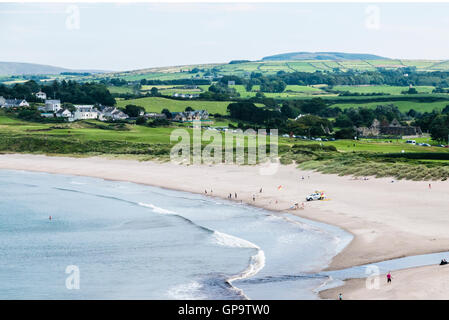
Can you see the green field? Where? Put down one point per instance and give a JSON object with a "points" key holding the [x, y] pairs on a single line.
{"points": [[120, 90], [381, 89], [268, 67], [403, 106], [157, 104], [290, 92]]}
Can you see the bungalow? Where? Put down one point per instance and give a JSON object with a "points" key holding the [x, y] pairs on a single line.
{"points": [[15, 103], [83, 112], [51, 106], [111, 113], [41, 95]]}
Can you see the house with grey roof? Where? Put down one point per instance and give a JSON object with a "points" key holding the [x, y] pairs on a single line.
{"points": [[83, 112], [190, 115], [15, 103], [111, 113]]}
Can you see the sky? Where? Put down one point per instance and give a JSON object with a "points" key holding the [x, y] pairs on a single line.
{"points": [[120, 36]]}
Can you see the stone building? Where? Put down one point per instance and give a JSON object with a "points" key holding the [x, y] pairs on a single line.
{"points": [[394, 128]]}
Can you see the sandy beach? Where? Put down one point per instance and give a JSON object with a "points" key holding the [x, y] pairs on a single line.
{"points": [[389, 219], [423, 283]]}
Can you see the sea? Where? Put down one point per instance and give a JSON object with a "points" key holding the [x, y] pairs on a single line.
{"points": [[73, 237]]}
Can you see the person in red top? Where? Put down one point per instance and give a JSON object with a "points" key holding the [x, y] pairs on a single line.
{"points": [[389, 277]]}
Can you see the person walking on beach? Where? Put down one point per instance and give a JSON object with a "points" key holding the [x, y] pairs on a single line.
{"points": [[430, 186], [389, 277], [235, 195], [340, 296], [254, 197], [260, 191]]}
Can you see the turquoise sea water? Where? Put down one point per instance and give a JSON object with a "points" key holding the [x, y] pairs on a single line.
{"points": [[131, 241]]}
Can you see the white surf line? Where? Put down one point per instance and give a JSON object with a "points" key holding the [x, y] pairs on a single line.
{"points": [[257, 261]]}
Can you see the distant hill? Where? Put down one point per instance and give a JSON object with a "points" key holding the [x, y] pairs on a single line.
{"points": [[323, 56], [18, 68]]}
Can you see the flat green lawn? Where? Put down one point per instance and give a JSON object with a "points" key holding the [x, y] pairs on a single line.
{"points": [[157, 104], [403, 106], [382, 89], [371, 145]]}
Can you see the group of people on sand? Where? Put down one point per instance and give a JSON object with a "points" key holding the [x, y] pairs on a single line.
{"points": [[235, 194], [230, 195], [443, 262]]}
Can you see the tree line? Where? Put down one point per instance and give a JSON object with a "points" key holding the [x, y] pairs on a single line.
{"points": [[66, 91]]}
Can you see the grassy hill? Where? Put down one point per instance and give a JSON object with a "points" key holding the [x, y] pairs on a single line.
{"points": [[22, 68], [323, 56], [272, 66]]}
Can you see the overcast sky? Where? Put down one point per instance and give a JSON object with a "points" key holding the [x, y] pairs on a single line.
{"points": [[134, 36]]}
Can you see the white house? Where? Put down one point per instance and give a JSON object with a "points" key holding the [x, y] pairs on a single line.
{"points": [[64, 113], [2, 101], [83, 112], [14, 103], [51, 106], [41, 95]]}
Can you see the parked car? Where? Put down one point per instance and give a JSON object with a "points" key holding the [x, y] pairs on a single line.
{"points": [[410, 141], [317, 195]]}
